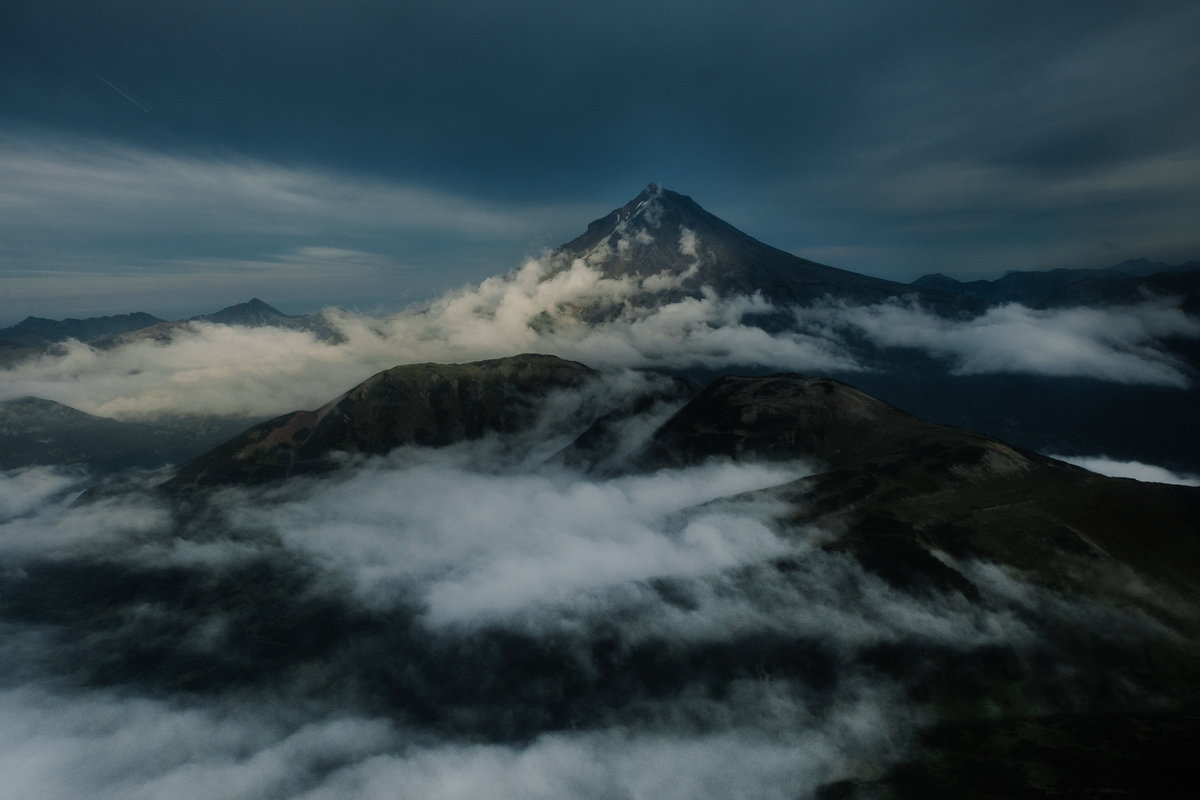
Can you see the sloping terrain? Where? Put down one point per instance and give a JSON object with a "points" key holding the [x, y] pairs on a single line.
{"points": [[37, 432], [428, 405], [665, 234], [761, 564]]}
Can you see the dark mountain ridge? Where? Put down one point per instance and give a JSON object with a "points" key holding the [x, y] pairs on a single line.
{"points": [[35, 335], [933, 486], [35, 331], [254, 313], [427, 405], [1093, 582], [1124, 283]]}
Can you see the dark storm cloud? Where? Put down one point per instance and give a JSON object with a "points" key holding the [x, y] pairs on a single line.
{"points": [[890, 139], [403, 83]]}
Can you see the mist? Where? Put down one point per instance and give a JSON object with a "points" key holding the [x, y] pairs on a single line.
{"points": [[438, 623], [1137, 470], [1123, 344], [545, 306]]}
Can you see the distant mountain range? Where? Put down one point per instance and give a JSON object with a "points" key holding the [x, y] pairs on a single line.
{"points": [[35, 334], [667, 246], [672, 247], [36, 331], [1125, 283], [34, 431]]}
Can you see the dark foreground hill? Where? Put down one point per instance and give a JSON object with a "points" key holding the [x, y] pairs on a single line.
{"points": [[884, 479], [995, 602], [428, 405]]}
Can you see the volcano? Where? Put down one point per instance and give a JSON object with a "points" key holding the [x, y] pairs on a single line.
{"points": [[674, 247]]}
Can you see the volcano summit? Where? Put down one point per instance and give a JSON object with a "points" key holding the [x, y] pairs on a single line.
{"points": [[673, 247]]}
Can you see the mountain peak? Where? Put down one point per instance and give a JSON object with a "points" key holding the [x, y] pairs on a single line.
{"points": [[669, 244], [652, 190], [252, 313], [253, 304]]}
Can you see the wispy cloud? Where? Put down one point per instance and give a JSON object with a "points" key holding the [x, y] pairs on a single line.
{"points": [[442, 624], [101, 187], [1116, 468], [91, 221], [1122, 344]]}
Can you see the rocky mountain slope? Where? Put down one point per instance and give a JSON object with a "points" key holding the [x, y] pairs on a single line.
{"points": [[37, 432], [1125, 283], [895, 490], [673, 246], [428, 405], [953, 578]]}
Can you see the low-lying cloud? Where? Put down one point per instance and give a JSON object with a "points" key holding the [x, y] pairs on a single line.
{"points": [[60, 747], [1116, 468], [573, 311], [449, 623], [522, 542], [1120, 344], [486, 560]]}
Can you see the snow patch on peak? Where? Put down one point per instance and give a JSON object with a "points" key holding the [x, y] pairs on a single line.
{"points": [[649, 207]]}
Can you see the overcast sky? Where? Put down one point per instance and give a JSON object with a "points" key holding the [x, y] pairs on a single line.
{"points": [[178, 157]]}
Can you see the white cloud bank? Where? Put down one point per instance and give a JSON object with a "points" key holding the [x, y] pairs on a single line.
{"points": [[1115, 468], [542, 307], [1121, 344]]}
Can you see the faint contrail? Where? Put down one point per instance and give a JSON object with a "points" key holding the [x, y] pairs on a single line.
{"points": [[127, 95]]}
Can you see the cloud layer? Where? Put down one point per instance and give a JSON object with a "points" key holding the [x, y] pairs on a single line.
{"points": [[1121, 344], [1115, 468], [542, 557], [542, 307], [441, 623]]}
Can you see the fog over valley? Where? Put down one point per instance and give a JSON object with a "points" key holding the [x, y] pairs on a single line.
{"points": [[483, 618]]}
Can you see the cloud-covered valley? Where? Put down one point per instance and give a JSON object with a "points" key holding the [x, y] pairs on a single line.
{"points": [[442, 623]]}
